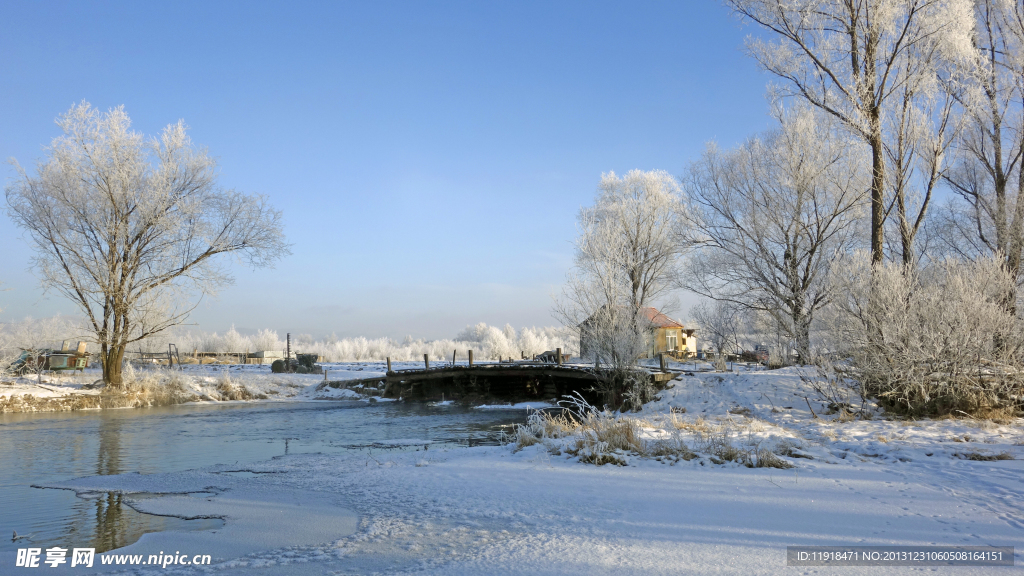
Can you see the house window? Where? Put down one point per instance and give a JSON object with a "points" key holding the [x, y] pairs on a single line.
{"points": [[671, 343]]}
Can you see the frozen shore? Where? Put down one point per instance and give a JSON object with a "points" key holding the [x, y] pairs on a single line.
{"points": [[193, 383], [539, 510]]}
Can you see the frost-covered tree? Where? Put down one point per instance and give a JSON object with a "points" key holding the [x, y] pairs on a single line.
{"points": [[989, 219], [932, 346], [627, 256], [129, 228], [864, 62], [923, 127], [718, 323], [771, 216]]}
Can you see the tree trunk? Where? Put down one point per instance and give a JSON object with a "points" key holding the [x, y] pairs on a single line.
{"points": [[1014, 235], [877, 198], [112, 359], [802, 335]]}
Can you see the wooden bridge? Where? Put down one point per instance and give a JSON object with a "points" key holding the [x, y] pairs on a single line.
{"points": [[507, 381]]}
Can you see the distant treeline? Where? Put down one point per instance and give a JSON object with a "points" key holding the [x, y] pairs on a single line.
{"points": [[487, 343]]}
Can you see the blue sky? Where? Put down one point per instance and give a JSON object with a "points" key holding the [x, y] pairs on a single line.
{"points": [[429, 158]]}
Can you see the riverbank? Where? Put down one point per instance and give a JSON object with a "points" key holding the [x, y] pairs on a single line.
{"points": [[540, 509], [161, 387], [152, 387]]}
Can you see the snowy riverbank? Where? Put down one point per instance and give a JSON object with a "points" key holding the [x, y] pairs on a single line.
{"points": [[538, 510], [191, 383], [64, 391]]}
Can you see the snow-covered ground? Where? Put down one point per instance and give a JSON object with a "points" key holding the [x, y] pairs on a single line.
{"points": [[205, 382], [538, 510]]}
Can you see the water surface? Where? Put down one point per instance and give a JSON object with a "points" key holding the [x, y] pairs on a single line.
{"points": [[50, 447]]}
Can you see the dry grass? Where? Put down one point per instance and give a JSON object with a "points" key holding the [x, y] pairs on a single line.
{"points": [[141, 389], [789, 450], [978, 456], [720, 449], [765, 458], [601, 439], [845, 416], [698, 426], [541, 426], [673, 449], [597, 437], [149, 390], [29, 403], [228, 390]]}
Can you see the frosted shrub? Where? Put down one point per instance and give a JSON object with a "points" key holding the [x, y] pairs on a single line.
{"points": [[146, 388], [720, 364], [594, 436], [601, 435], [934, 341], [636, 388], [543, 426]]}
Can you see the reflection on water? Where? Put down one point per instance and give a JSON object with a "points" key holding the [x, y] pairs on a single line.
{"points": [[46, 448], [109, 460], [106, 521]]}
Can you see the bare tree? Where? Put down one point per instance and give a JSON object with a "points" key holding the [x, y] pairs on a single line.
{"points": [[923, 128], [129, 228], [627, 255], [718, 322], [987, 176], [630, 236], [771, 217], [858, 60]]}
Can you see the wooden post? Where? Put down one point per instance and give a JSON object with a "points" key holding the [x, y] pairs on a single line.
{"points": [[389, 364], [661, 360], [558, 356], [288, 355], [426, 360], [453, 357], [470, 358]]}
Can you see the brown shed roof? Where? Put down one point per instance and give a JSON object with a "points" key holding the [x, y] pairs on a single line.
{"points": [[659, 320]]}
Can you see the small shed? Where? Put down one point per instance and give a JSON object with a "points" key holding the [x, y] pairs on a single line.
{"points": [[670, 336]]}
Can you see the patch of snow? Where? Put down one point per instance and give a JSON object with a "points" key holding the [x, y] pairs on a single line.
{"points": [[328, 393], [378, 399], [517, 406]]}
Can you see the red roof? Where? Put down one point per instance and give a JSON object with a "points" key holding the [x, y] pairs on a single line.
{"points": [[659, 320]]}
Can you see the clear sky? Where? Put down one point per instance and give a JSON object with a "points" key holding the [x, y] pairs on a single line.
{"points": [[429, 157]]}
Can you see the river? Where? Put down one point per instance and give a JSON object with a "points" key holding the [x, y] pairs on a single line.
{"points": [[49, 447]]}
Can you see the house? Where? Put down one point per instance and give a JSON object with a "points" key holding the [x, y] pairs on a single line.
{"points": [[668, 336]]}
